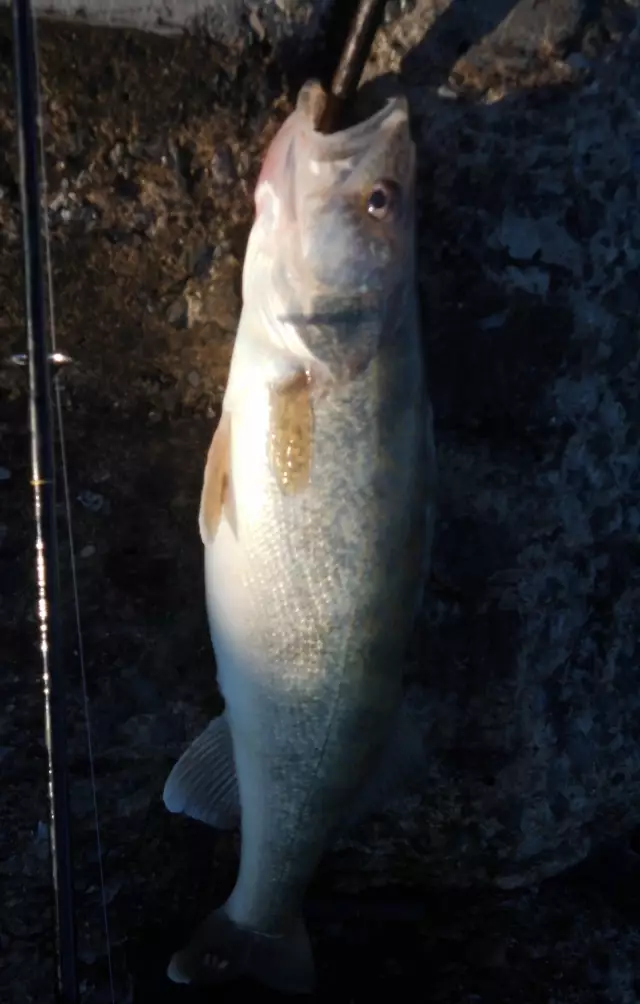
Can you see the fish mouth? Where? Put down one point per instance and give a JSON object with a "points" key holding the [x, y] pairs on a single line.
{"points": [[346, 142]]}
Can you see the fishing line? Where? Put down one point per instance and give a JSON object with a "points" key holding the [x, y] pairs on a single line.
{"points": [[74, 577], [83, 673], [74, 569]]}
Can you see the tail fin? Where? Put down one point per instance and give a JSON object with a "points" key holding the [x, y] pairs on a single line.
{"points": [[220, 951]]}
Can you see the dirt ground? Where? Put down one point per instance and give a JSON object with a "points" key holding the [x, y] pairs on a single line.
{"points": [[152, 149]]}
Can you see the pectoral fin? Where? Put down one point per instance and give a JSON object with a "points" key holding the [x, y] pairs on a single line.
{"points": [[217, 489], [291, 433], [203, 782]]}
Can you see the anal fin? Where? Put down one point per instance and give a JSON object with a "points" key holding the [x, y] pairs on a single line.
{"points": [[203, 783]]}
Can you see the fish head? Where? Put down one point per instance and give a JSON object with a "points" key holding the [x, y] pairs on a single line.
{"points": [[336, 214]]}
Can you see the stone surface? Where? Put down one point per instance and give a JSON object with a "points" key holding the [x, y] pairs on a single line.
{"points": [[524, 672]]}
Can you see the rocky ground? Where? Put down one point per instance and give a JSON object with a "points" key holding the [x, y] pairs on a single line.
{"points": [[152, 149]]}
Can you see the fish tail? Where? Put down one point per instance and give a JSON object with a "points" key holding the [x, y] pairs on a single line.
{"points": [[220, 951]]}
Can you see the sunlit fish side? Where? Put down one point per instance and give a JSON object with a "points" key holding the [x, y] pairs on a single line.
{"points": [[316, 516]]}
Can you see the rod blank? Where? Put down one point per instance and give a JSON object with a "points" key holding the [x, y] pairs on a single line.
{"points": [[44, 494]]}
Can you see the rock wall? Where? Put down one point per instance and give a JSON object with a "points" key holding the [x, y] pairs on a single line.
{"points": [[525, 679]]}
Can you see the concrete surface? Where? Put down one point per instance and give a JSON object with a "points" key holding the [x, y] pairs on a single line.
{"points": [[227, 20]]}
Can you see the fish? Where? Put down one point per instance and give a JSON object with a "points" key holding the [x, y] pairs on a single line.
{"points": [[317, 518]]}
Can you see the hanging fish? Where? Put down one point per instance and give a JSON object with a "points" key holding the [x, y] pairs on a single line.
{"points": [[317, 517]]}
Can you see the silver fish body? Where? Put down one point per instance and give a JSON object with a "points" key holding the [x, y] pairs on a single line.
{"points": [[317, 518]]}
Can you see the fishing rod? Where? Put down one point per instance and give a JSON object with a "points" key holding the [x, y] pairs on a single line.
{"points": [[40, 362], [367, 18]]}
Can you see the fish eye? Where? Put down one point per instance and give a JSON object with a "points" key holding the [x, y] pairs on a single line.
{"points": [[383, 199]]}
